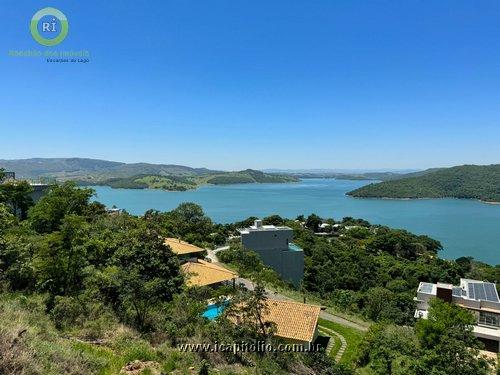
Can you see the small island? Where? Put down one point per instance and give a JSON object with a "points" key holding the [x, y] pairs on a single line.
{"points": [[480, 182]]}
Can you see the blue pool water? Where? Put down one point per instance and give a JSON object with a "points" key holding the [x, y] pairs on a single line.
{"points": [[214, 310], [464, 227], [293, 247]]}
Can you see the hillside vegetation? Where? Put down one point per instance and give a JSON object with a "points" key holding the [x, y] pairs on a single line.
{"points": [[181, 183], [249, 176], [85, 292], [466, 181], [88, 172], [92, 169]]}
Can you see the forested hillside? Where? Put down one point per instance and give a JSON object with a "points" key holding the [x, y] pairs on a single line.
{"points": [[466, 181]]}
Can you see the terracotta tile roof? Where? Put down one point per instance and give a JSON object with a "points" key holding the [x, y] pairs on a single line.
{"points": [[294, 320], [180, 247], [201, 273]]}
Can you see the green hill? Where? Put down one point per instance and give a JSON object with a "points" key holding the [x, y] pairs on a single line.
{"points": [[465, 181], [181, 183], [249, 176], [133, 175], [92, 169]]}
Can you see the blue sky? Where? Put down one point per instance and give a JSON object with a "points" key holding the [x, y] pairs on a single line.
{"points": [[261, 84]]}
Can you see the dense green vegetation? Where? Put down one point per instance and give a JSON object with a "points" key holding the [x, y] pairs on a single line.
{"points": [[171, 183], [85, 292], [367, 270], [248, 176], [466, 181]]}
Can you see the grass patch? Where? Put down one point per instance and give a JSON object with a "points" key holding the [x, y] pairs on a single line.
{"points": [[336, 347], [112, 362], [352, 336]]}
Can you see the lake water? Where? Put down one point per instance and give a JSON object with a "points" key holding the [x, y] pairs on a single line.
{"points": [[464, 227]]}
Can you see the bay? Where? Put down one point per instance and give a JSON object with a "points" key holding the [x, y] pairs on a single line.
{"points": [[464, 227]]}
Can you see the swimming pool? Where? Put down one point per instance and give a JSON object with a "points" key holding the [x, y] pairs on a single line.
{"points": [[214, 310], [293, 247]]}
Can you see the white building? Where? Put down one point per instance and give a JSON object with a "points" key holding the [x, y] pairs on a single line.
{"points": [[479, 297]]}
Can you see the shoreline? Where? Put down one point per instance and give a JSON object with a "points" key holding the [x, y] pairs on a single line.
{"points": [[494, 203], [197, 187], [490, 202]]}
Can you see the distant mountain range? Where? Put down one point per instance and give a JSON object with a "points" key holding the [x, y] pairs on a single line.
{"points": [[466, 181], [135, 175], [74, 168]]}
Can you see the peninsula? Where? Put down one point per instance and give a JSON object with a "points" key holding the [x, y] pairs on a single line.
{"points": [[480, 182]]}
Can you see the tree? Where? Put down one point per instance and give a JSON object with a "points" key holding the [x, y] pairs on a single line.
{"points": [[61, 200], [16, 195], [248, 309], [61, 259], [247, 261], [145, 273], [378, 301], [184, 315], [313, 222], [402, 243], [273, 220], [389, 350], [6, 219], [189, 222]]}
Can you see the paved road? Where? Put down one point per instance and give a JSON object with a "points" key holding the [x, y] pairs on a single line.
{"points": [[212, 254]]}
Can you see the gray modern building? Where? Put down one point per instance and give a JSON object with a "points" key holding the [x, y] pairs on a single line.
{"points": [[275, 247]]}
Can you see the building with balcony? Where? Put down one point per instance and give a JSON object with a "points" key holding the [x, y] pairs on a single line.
{"points": [[479, 297], [274, 246]]}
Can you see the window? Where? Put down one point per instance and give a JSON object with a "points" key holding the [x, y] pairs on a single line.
{"points": [[489, 319]]}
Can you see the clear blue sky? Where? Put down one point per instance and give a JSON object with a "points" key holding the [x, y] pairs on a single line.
{"points": [[262, 84]]}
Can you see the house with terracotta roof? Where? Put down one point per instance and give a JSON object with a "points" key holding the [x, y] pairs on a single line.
{"points": [[184, 250], [202, 273], [295, 322]]}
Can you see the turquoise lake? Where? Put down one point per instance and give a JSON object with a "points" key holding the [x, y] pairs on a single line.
{"points": [[464, 227]]}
